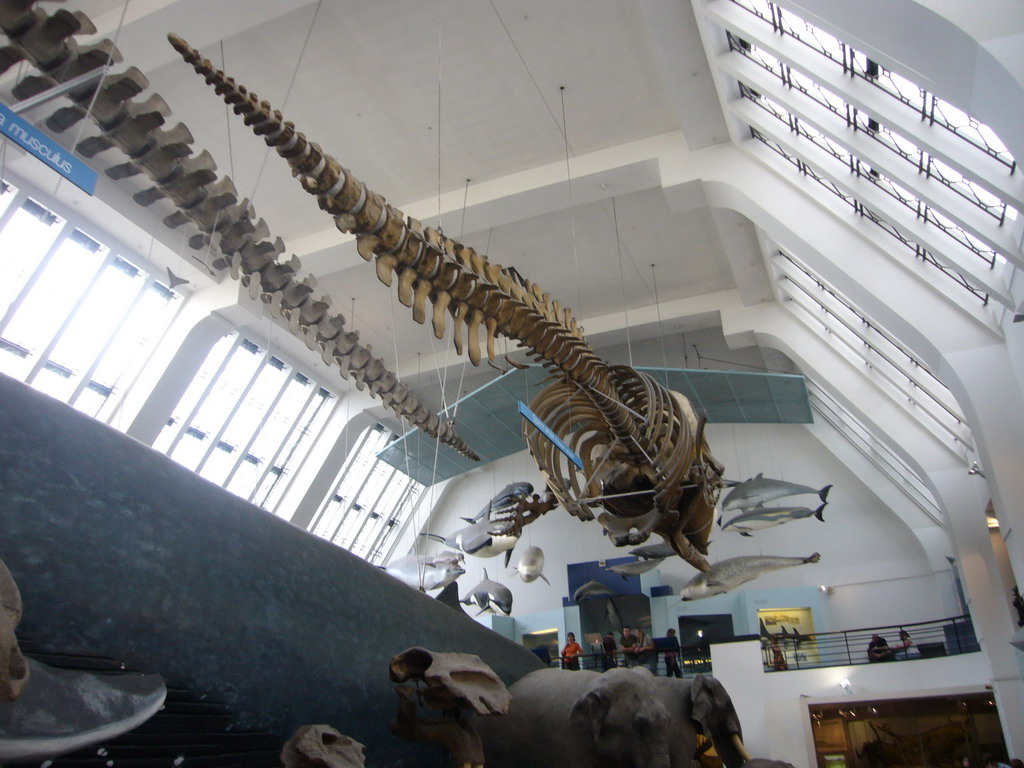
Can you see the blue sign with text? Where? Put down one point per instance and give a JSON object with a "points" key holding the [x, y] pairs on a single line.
{"points": [[545, 430], [36, 143]]}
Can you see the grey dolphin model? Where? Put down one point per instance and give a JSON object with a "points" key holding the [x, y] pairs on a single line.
{"points": [[653, 551], [625, 570], [760, 518], [760, 490], [429, 571], [729, 574], [593, 589], [531, 566], [488, 595]]}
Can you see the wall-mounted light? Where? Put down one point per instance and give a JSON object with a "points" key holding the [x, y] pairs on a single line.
{"points": [[827, 590], [700, 633], [845, 685], [975, 470]]}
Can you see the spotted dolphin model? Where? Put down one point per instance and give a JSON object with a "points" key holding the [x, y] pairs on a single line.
{"points": [[726, 575], [760, 518], [759, 490], [488, 595]]}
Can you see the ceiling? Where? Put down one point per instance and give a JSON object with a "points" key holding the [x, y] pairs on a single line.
{"points": [[417, 98]]}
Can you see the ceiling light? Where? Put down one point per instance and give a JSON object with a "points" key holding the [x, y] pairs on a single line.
{"points": [[845, 685]]}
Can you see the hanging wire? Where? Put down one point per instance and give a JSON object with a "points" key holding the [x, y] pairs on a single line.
{"points": [[465, 199], [227, 117], [572, 213], [287, 94], [622, 281], [661, 332], [439, 115]]}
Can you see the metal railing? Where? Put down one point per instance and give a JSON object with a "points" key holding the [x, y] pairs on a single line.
{"points": [[930, 639], [690, 663]]}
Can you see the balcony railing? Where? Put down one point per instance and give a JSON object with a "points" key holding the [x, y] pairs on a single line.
{"points": [[690, 662], [943, 637]]}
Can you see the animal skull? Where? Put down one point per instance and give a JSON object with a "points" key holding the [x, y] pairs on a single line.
{"points": [[13, 666], [320, 746], [453, 680]]}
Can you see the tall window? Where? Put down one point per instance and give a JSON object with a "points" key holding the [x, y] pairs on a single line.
{"points": [[77, 320], [246, 421], [933, 177], [370, 503]]}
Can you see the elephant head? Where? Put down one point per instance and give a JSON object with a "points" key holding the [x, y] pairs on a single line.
{"points": [[703, 702], [13, 666], [621, 723]]}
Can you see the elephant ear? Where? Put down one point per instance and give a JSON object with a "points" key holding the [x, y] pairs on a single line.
{"points": [[589, 712]]}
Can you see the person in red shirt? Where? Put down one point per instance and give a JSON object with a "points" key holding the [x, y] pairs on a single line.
{"points": [[571, 653]]}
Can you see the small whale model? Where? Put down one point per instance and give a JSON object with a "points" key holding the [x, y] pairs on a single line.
{"points": [[593, 589], [504, 501], [760, 490], [531, 566], [625, 570], [429, 571], [653, 551], [488, 595], [729, 574], [760, 518]]}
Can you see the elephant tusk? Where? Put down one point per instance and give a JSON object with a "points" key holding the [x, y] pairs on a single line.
{"points": [[738, 743]]}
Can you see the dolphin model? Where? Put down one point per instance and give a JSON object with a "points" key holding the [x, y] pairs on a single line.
{"points": [[653, 551], [593, 589], [488, 595], [760, 518], [760, 489], [729, 574], [531, 566], [625, 570], [504, 501], [483, 539], [427, 571]]}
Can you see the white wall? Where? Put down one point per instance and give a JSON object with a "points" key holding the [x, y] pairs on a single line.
{"points": [[773, 706]]}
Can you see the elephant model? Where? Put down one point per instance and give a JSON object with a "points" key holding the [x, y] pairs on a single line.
{"points": [[622, 718]]}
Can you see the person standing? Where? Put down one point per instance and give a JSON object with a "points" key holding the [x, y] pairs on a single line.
{"points": [[672, 655], [628, 643], [571, 652], [608, 658]]}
